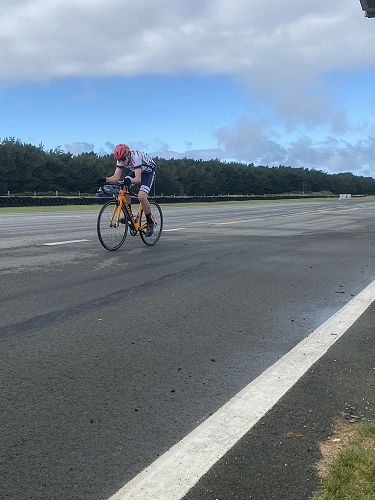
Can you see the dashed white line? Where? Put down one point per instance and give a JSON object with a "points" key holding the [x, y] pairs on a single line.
{"points": [[63, 242], [173, 474], [232, 222]]}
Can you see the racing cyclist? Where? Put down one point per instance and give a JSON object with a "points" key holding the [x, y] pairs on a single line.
{"points": [[142, 171]]}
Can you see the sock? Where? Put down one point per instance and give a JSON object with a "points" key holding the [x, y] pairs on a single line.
{"points": [[149, 218]]}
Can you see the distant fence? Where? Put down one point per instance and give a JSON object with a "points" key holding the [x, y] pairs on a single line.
{"points": [[29, 201]]}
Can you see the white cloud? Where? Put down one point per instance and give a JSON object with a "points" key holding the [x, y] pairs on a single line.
{"points": [[281, 51], [76, 148], [247, 141], [253, 142], [195, 154], [43, 39]]}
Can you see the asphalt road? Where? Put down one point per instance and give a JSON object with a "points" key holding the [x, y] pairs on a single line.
{"points": [[108, 359], [277, 459]]}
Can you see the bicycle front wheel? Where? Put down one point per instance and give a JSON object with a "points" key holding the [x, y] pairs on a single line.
{"points": [[157, 216], [112, 235]]}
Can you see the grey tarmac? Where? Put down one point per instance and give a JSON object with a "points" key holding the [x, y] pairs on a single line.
{"points": [[277, 459], [109, 359]]}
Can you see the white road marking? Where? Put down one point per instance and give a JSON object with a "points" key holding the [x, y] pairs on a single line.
{"points": [[232, 222], [63, 242], [173, 474], [175, 229], [262, 217]]}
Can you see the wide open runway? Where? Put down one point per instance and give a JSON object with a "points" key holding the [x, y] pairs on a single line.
{"points": [[110, 358]]}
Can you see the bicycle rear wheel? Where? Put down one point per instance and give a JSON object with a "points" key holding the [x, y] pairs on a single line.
{"points": [[157, 216], [111, 235]]}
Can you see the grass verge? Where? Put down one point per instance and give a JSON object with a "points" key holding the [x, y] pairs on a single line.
{"points": [[347, 469], [70, 208], [57, 208]]}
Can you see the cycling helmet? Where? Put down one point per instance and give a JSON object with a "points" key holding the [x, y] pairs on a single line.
{"points": [[121, 151]]}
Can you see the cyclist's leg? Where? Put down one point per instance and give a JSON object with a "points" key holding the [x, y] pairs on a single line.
{"points": [[147, 180], [128, 201], [143, 199], [127, 196], [157, 218]]}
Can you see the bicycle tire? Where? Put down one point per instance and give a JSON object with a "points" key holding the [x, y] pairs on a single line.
{"points": [[111, 237], [157, 215]]}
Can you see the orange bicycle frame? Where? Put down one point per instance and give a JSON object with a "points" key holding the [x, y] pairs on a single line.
{"points": [[116, 214]]}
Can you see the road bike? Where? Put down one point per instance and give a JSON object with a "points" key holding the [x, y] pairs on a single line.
{"points": [[116, 218]]}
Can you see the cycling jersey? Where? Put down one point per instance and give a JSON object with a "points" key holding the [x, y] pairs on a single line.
{"points": [[138, 159]]}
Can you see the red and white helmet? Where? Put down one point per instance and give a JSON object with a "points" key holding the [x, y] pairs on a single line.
{"points": [[121, 151]]}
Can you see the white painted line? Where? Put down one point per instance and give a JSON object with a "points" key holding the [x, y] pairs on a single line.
{"points": [[226, 223], [175, 229], [232, 222], [63, 242], [173, 474]]}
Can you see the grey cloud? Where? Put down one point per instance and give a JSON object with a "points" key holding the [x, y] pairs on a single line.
{"points": [[247, 141], [163, 147], [335, 155], [109, 146], [138, 145]]}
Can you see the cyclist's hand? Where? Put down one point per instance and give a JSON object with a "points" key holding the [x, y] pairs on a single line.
{"points": [[127, 181], [101, 181]]}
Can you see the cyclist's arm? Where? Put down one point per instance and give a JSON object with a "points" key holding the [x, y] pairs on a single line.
{"points": [[115, 177], [137, 175]]}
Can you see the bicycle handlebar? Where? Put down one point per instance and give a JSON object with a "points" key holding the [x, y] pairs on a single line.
{"points": [[121, 183], [117, 184]]}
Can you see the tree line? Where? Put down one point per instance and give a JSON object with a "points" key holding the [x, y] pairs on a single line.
{"points": [[26, 168]]}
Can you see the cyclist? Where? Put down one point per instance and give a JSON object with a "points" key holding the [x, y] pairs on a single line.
{"points": [[142, 171]]}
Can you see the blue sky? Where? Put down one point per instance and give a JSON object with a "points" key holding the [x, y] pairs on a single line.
{"points": [[203, 79], [180, 111]]}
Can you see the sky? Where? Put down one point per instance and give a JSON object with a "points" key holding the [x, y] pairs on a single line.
{"points": [[239, 80]]}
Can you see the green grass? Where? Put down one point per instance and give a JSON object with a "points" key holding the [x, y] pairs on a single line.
{"points": [[251, 202], [60, 208], [69, 208], [351, 474]]}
